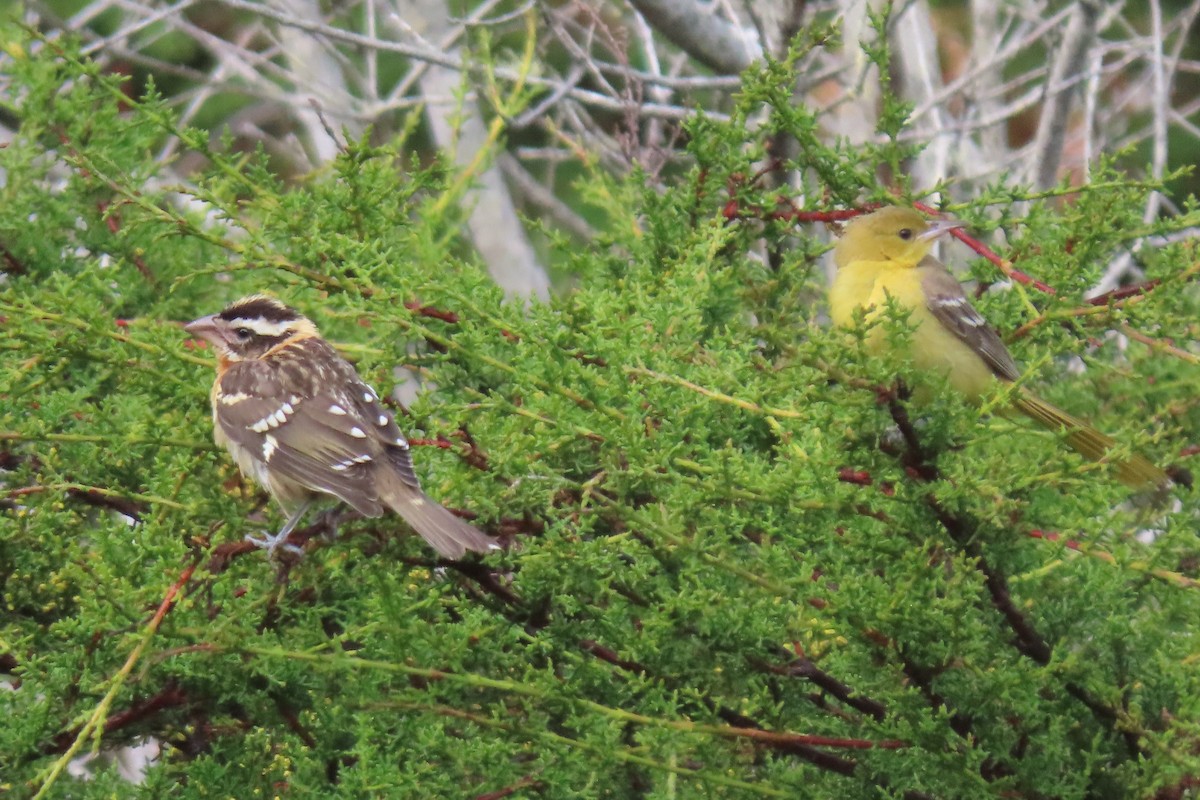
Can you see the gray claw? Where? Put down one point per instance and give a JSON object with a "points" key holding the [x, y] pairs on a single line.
{"points": [[272, 544]]}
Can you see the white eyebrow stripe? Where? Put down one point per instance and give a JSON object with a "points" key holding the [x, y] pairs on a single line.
{"points": [[264, 327]]}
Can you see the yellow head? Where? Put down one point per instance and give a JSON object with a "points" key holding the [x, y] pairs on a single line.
{"points": [[892, 233]]}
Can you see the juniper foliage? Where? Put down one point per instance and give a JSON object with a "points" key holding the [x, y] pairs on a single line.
{"points": [[728, 577]]}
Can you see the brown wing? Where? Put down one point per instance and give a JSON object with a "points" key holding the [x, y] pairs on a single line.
{"points": [[309, 417], [948, 303], [380, 423]]}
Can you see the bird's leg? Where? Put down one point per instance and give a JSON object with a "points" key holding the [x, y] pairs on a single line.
{"points": [[329, 520], [273, 543]]}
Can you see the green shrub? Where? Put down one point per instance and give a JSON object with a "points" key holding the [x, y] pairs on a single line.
{"points": [[727, 578]]}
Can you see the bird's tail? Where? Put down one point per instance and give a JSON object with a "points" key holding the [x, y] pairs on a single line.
{"points": [[1135, 470], [446, 533]]}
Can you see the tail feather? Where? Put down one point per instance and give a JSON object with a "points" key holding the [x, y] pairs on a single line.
{"points": [[1135, 470], [444, 532]]}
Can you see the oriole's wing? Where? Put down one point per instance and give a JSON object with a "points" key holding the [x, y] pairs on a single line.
{"points": [[949, 305], [309, 417]]}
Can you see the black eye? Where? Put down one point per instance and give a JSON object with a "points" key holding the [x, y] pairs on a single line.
{"points": [[906, 233], [243, 333]]}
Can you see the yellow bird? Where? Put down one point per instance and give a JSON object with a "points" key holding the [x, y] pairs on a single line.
{"points": [[886, 254]]}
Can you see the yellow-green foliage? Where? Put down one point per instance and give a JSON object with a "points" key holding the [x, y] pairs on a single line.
{"points": [[713, 533]]}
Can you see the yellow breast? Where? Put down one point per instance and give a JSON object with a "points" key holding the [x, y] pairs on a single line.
{"points": [[934, 349]]}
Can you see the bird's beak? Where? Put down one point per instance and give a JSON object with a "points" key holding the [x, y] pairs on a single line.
{"points": [[940, 227], [205, 328]]}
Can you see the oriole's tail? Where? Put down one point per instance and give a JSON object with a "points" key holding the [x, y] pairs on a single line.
{"points": [[1134, 470], [446, 533]]}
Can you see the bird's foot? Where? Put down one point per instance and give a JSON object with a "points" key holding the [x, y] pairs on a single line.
{"points": [[273, 544]]}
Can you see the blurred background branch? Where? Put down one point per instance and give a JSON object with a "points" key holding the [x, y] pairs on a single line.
{"points": [[1027, 92], [364, 61], [1024, 93]]}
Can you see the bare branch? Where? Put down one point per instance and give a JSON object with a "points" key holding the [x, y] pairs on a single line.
{"points": [[920, 76], [1072, 55], [494, 226], [713, 42]]}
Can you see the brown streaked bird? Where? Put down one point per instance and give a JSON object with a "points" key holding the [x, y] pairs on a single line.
{"points": [[298, 419]]}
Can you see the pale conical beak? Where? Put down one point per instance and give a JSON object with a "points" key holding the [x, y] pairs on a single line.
{"points": [[205, 328], [940, 227]]}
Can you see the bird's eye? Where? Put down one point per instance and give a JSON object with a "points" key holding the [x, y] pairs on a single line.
{"points": [[906, 233], [243, 333]]}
